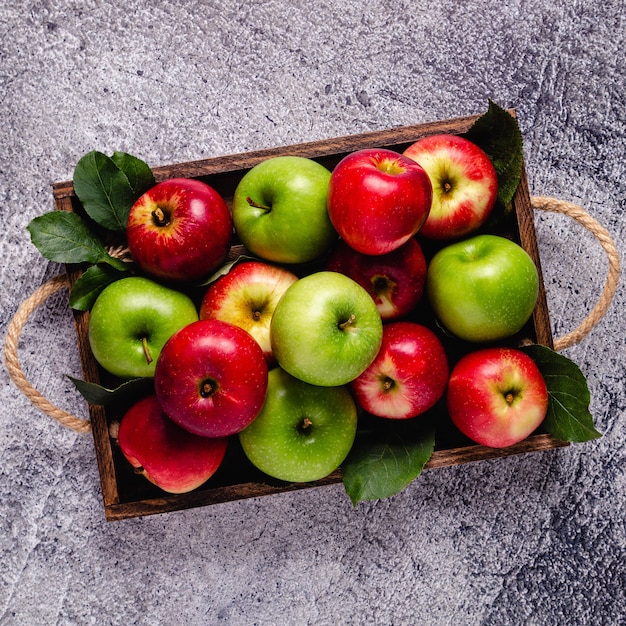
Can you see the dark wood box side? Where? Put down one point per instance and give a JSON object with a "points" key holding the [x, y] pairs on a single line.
{"points": [[205, 497], [91, 373]]}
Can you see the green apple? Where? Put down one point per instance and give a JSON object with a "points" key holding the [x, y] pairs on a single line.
{"points": [[279, 210], [130, 322], [326, 329], [304, 432], [483, 288]]}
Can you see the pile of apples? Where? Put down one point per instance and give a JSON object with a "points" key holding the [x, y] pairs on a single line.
{"points": [[314, 325]]}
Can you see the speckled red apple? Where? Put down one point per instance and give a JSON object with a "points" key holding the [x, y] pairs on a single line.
{"points": [[407, 377], [465, 184], [179, 230], [378, 199], [394, 280], [167, 455], [211, 378], [247, 297], [497, 396]]}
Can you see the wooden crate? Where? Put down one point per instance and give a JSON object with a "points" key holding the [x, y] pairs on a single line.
{"points": [[127, 495]]}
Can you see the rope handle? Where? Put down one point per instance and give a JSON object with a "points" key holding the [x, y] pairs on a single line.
{"points": [[576, 212], [24, 311], [57, 283]]}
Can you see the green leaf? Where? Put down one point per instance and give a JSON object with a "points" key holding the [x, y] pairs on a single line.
{"points": [[225, 268], [89, 285], [138, 172], [99, 395], [382, 464], [568, 417], [104, 190], [64, 237], [498, 134]]}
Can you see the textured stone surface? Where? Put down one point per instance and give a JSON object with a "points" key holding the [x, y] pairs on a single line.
{"points": [[538, 540]]}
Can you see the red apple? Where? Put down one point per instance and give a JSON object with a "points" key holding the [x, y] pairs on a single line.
{"points": [[167, 455], [394, 280], [211, 378], [378, 199], [408, 376], [247, 297], [497, 396], [465, 185], [179, 230]]}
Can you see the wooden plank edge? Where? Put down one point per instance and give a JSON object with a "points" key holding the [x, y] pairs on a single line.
{"points": [[528, 238], [469, 454], [242, 491], [97, 416], [312, 149]]}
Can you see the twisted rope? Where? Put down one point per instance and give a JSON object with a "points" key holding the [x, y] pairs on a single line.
{"points": [[57, 283], [16, 373], [553, 205]]}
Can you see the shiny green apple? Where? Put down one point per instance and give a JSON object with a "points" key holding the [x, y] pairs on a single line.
{"points": [[130, 322], [279, 210], [483, 288], [326, 329], [304, 432]]}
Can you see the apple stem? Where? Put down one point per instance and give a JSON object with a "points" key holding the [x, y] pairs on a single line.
{"points": [[306, 422], [447, 187], [509, 397], [256, 205], [160, 217], [146, 350], [348, 322]]}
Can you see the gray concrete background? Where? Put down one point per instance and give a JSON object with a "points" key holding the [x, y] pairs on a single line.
{"points": [[536, 540]]}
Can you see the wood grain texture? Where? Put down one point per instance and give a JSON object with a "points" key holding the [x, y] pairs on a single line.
{"points": [[126, 495], [528, 240]]}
